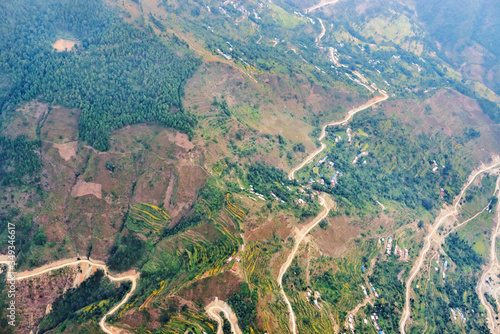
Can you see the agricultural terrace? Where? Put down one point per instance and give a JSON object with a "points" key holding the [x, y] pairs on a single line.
{"points": [[234, 211], [186, 258], [149, 217]]}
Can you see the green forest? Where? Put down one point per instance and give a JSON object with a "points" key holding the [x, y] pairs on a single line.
{"points": [[95, 289], [436, 296], [398, 166], [116, 74], [21, 163]]}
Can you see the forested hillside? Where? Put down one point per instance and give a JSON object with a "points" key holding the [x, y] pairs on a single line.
{"points": [[467, 32], [301, 165], [116, 74]]}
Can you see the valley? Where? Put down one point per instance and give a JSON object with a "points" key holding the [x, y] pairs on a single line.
{"points": [[247, 167]]}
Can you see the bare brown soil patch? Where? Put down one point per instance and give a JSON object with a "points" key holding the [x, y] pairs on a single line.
{"points": [[83, 188], [64, 45], [34, 295], [24, 120], [190, 179], [181, 140], [61, 125], [170, 191], [207, 289], [67, 150], [334, 240], [280, 225]]}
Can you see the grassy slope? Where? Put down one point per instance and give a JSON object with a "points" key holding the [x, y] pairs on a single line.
{"points": [[288, 105]]}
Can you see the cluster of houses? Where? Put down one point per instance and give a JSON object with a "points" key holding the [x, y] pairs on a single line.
{"points": [[277, 198], [362, 154], [389, 245], [445, 266], [374, 318], [359, 82], [333, 179], [235, 6], [398, 251], [349, 322], [364, 290], [460, 314], [315, 296], [373, 289], [337, 138], [239, 8], [419, 69], [260, 196], [236, 258], [435, 166], [225, 55], [349, 137], [299, 14]]}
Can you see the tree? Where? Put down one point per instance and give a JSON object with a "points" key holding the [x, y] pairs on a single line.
{"points": [[299, 147], [420, 224], [427, 204], [40, 239]]}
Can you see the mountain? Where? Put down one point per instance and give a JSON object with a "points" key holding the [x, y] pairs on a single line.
{"points": [[302, 166]]}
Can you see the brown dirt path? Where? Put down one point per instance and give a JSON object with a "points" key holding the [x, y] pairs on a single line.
{"points": [[322, 33], [350, 115], [321, 4], [298, 240], [492, 270], [446, 213], [214, 308], [301, 234], [129, 276]]}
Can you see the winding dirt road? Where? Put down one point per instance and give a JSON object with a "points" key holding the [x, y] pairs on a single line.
{"points": [[493, 269], [72, 262], [298, 240], [302, 233], [214, 308], [323, 31], [445, 214], [321, 4], [350, 114]]}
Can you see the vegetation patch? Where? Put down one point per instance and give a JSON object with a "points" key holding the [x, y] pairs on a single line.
{"points": [[97, 288]]}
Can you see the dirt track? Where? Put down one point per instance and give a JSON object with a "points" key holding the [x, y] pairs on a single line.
{"points": [[445, 214], [322, 33], [214, 308], [298, 240], [321, 4], [492, 270], [71, 262], [350, 114], [301, 234]]}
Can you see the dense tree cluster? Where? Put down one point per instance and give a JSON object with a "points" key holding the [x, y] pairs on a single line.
{"points": [[244, 304], [400, 169], [265, 178], [461, 253], [390, 287], [126, 252], [20, 160], [118, 74], [93, 289]]}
